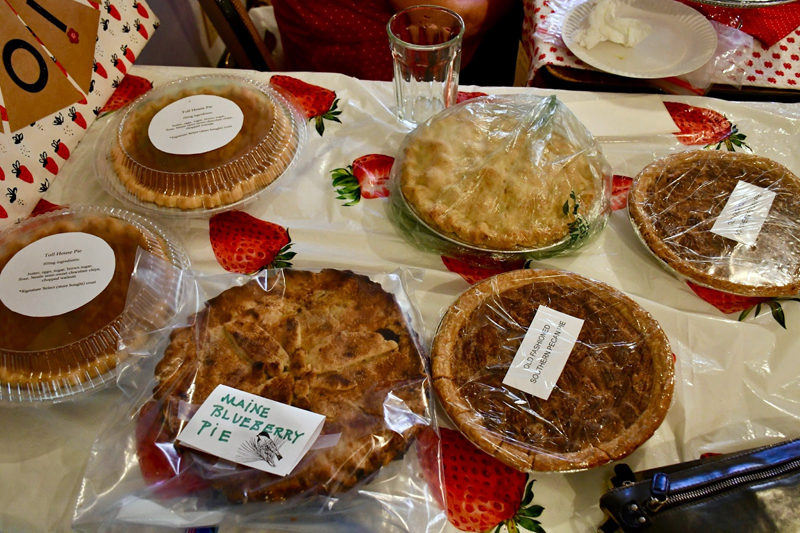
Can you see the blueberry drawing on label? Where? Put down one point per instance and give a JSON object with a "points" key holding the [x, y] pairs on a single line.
{"points": [[259, 448]]}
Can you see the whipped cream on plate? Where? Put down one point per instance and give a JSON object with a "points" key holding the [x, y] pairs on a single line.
{"points": [[602, 24]]}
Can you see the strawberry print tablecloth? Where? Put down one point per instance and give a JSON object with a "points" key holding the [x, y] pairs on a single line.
{"points": [[776, 66], [736, 382]]}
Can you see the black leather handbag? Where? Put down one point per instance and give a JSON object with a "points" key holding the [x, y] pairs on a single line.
{"points": [[755, 490]]}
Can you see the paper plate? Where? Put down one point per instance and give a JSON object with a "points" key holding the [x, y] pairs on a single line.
{"points": [[681, 40]]}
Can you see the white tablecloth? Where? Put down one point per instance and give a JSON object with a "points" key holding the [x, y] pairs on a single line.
{"points": [[737, 383]]}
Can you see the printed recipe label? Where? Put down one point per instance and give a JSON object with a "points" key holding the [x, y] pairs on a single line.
{"points": [[543, 353], [744, 213], [195, 125], [57, 274], [252, 431]]}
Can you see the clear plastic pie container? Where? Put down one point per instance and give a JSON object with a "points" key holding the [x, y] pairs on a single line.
{"points": [[729, 221], [67, 313], [509, 176], [199, 145]]}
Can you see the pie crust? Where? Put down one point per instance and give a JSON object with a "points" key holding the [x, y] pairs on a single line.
{"points": [[612, 395], [334, 343], [254, 158], [675, 201], [484, 175], [45, 358]]}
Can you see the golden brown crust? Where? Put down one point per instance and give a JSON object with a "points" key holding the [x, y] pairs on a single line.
{"points": [[612, 395], [675, 201], [256, 157], [55, 354], [494, 184], [332, 342]]}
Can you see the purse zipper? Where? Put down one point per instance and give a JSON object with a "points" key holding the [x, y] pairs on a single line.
{"points": [[660, 484]]}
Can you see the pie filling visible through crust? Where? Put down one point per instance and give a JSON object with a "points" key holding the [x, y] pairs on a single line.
{"points": [[258, 155], [612, 395], [485, 177], [51, 355], [334, 343], [676, 200]]}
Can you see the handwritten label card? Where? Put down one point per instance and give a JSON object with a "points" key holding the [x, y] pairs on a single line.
{"points": [[252, 431], [744, 213], [543, 353]]}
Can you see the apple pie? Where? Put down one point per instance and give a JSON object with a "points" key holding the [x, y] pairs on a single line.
{"points": [[334, 343], [505, 174], [676, 200], [258, 154], [52, 357], [612, 394]]}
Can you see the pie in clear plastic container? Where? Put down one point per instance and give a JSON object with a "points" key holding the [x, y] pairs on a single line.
{"points": [[611, 396], [676, 201], [68, 345], [199, 145], [509, 176]]}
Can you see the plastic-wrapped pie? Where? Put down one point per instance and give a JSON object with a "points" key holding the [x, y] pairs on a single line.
{"points": [[334, 343], [729, 221], [200, 143], [505, 174], [65, 279], [613, 393]]}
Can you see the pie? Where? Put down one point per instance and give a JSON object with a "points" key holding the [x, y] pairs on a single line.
{"points": [[334, 343], [611, 396], [56, 356], [254, 158], [489, 175], [676, 200]]}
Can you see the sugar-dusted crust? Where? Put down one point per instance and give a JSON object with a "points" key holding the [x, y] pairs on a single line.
{"points": [[490, 181], [258, 155], [56, 356], [675, 201], [332, 342], [612, 395]]}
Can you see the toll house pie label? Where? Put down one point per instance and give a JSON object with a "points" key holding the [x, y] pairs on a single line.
{"points": [[543, 353], [252, 431]]}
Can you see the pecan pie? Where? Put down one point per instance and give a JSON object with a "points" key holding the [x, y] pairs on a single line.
{"points": [[676, 200], [505, 174], [611, 396], [332, 342], [258, 154], [51, 357]]}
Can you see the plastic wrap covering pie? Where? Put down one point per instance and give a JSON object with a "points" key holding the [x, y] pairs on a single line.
{"points": [[612, 394], [153, 163], [676, 201], [506, 174], [334, 343], [73, 348]]}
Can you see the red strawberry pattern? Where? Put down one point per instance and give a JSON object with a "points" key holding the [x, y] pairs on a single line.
{"points": [[128, 53], [48, 163], [703, 126], [162, 466], [60, 148], [318, 103], [463, 96], [744, 305], [77, 118], [22, 172], [245, 244], [43, 206], [475, 269], [119, 64], [3, 114], [365, 178], [100, 69], [477, 491], [128, 90], [140, 28], [619, 191], [2, 174], [3, 212]]}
